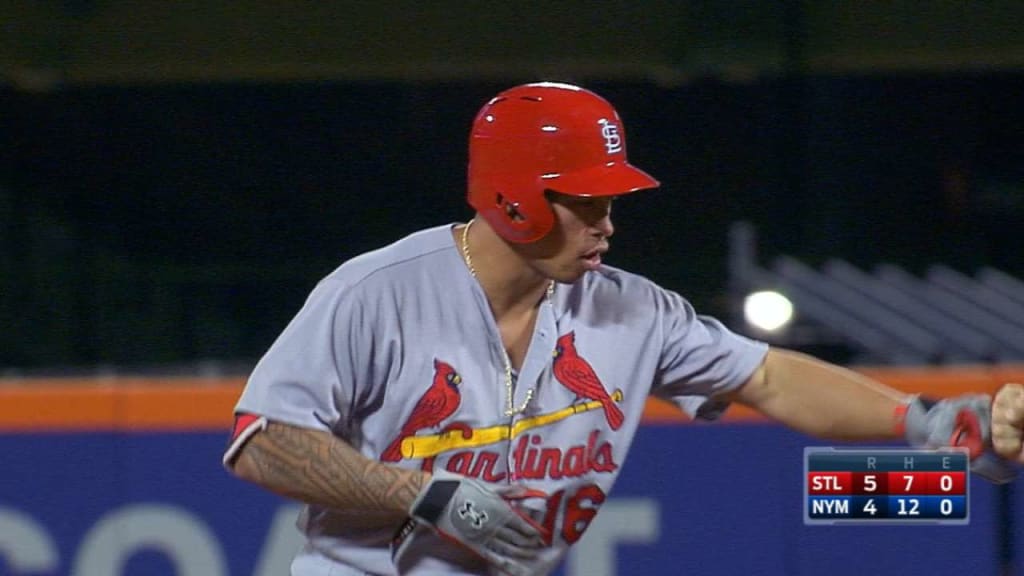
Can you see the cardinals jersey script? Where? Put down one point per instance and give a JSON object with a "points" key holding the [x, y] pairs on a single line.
{"points": [[397, 353]]}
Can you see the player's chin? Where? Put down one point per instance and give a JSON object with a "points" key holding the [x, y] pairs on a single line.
{"points": [[570, 274]]}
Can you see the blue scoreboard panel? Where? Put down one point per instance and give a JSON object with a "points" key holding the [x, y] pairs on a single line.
{"points": [[886, 486]]}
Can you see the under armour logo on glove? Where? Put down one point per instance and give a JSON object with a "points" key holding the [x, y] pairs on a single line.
{"points": [[477, 518], [482, 517]]}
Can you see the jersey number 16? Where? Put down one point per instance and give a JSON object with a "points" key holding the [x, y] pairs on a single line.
{"points": [[578, 511]]}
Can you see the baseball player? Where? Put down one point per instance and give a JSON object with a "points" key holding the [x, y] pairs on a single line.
{"points": [[462, 401]]}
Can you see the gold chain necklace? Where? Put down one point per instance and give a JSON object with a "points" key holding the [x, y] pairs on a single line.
{"points": [[511, 409]]}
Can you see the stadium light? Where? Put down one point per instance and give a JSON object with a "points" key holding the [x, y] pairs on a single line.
{"points": [[767, 310]]}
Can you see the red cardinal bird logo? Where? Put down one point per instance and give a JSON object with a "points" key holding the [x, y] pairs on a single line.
{"points": [[439, 402], [577, 375]]}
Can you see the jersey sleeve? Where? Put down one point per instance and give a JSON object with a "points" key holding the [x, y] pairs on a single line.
{"points": [[701, 359], [317, 371]]}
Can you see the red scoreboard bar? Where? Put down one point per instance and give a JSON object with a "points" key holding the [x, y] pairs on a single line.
{"points": [[885, 486]]}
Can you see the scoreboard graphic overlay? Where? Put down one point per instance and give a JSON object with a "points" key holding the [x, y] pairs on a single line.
{"points": [[885, 486]]}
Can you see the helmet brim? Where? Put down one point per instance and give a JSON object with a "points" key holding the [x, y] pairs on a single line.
{"points": [[610, 179]]}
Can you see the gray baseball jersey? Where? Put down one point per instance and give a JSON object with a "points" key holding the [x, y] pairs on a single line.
{"points": [[389, 333]]}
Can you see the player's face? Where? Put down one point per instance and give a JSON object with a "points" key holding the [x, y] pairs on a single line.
{"points": [[577, 241]]}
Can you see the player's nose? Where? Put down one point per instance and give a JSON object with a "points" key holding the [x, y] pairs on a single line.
{"points": [[600, 218], [604, 224]]}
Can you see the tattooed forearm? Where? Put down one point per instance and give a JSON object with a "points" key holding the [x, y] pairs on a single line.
{"points": [[316, 467]]}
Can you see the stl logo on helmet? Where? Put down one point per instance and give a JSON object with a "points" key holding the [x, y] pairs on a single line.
{"points": [[610, 133]]}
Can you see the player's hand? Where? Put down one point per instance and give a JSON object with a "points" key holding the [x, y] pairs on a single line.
{"points": [[483, 518], [963, 421], [1008, 422]]}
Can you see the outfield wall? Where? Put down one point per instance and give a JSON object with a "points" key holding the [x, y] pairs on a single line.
{"points": [[123, 477]]}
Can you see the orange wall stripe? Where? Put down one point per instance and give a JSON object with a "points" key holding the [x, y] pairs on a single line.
{"points": [[118, 404], [206, 404]]}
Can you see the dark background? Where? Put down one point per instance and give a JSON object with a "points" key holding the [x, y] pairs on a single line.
{"points": [[175, 179]]}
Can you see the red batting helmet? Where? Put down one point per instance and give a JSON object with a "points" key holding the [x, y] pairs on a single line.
{"points": [[545, 136]]}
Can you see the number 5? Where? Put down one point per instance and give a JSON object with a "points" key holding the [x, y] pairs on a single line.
{"points": [[869, 484]]}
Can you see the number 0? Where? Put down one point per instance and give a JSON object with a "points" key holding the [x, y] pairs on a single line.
{"points": [[946, 506], [946, 484]]}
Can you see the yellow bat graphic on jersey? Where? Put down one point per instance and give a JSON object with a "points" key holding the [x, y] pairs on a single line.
{"points": [[427, 446]]}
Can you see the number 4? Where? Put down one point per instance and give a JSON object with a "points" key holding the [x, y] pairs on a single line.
{"points": [[869, 507]]}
